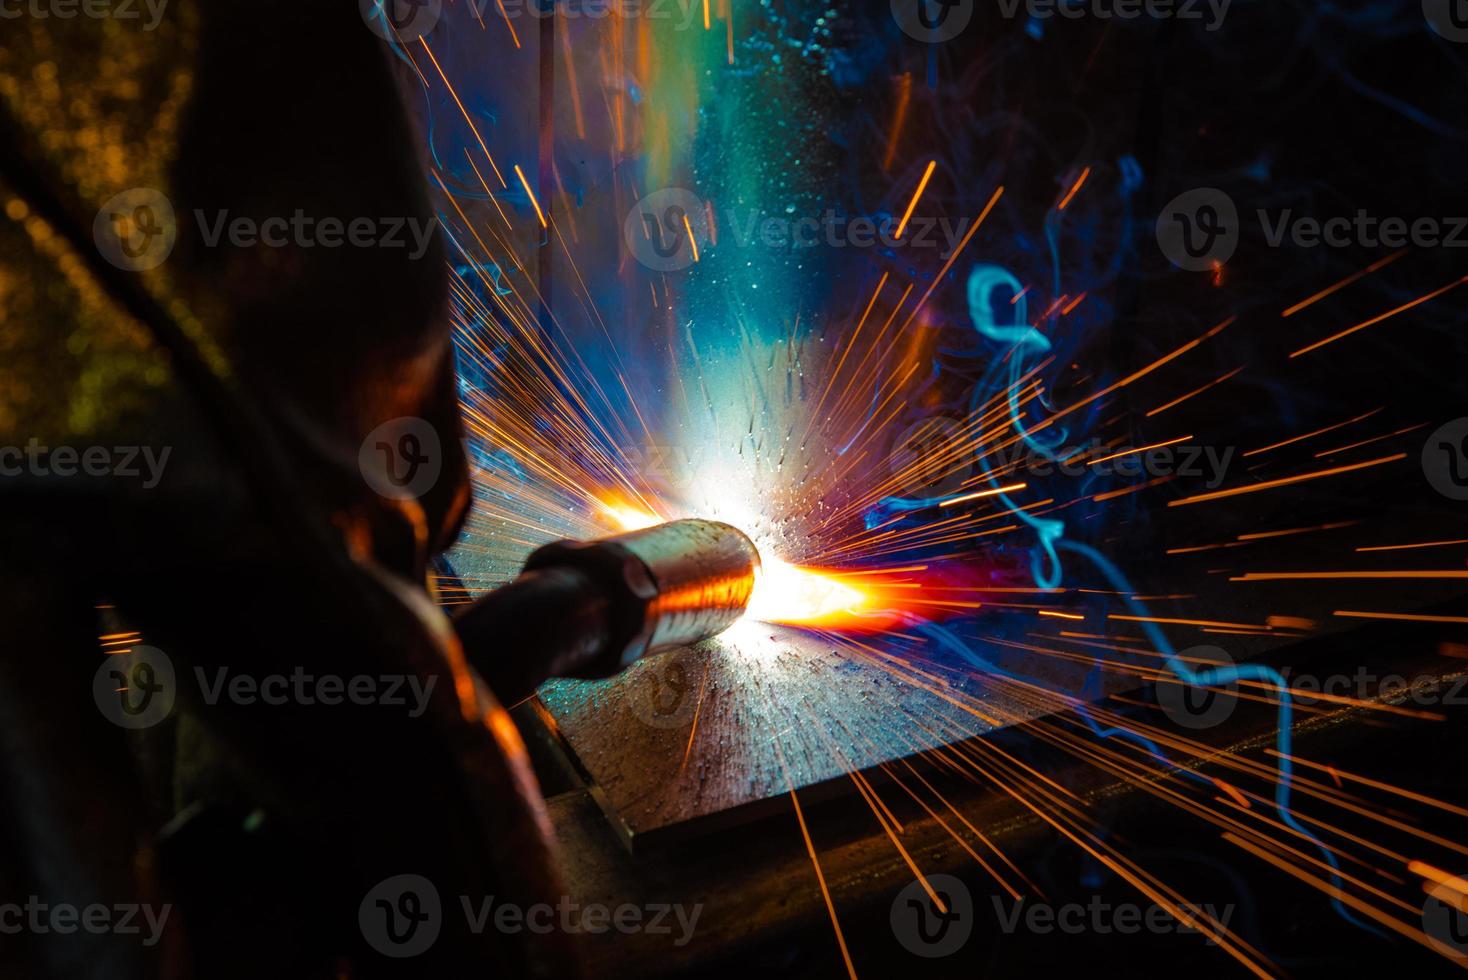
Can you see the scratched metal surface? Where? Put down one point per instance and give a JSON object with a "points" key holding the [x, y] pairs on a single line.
{"points": [[699, 738]]}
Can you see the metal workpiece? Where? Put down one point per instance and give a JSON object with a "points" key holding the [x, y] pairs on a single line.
{"points": [[588, 609]]}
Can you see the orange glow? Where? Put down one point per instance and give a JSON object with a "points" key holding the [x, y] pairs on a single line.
{"points": [[628, 517], [789, 594]]}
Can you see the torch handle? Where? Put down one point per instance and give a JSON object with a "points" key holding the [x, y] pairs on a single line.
{"points": [[554, 622]]}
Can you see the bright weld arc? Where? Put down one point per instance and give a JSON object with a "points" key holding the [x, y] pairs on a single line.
{"points": [[784, 593]]}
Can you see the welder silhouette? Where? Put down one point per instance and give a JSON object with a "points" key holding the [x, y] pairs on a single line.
{"points": [[262, 548]]}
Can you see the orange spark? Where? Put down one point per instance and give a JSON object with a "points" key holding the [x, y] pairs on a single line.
{"points": [[465, 112], [1379, 264], [1139, 449], [1402, 617], [1074, 188], [538, 213], [1427, 573], [1308, 435], [1379, 318], [904, 93], [1196, 391], [505, 14], [691, 240], [1285, 481], [911, 205], [984, 493], [1423, 544]]}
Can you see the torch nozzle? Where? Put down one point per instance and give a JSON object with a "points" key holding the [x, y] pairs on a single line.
{"points": [[591, 608]]}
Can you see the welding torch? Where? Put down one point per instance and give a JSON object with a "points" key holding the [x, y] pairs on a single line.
{"points": [[589, 609]]}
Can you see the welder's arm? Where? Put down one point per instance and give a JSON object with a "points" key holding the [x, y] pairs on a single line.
{"points": [[589, 609]]}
